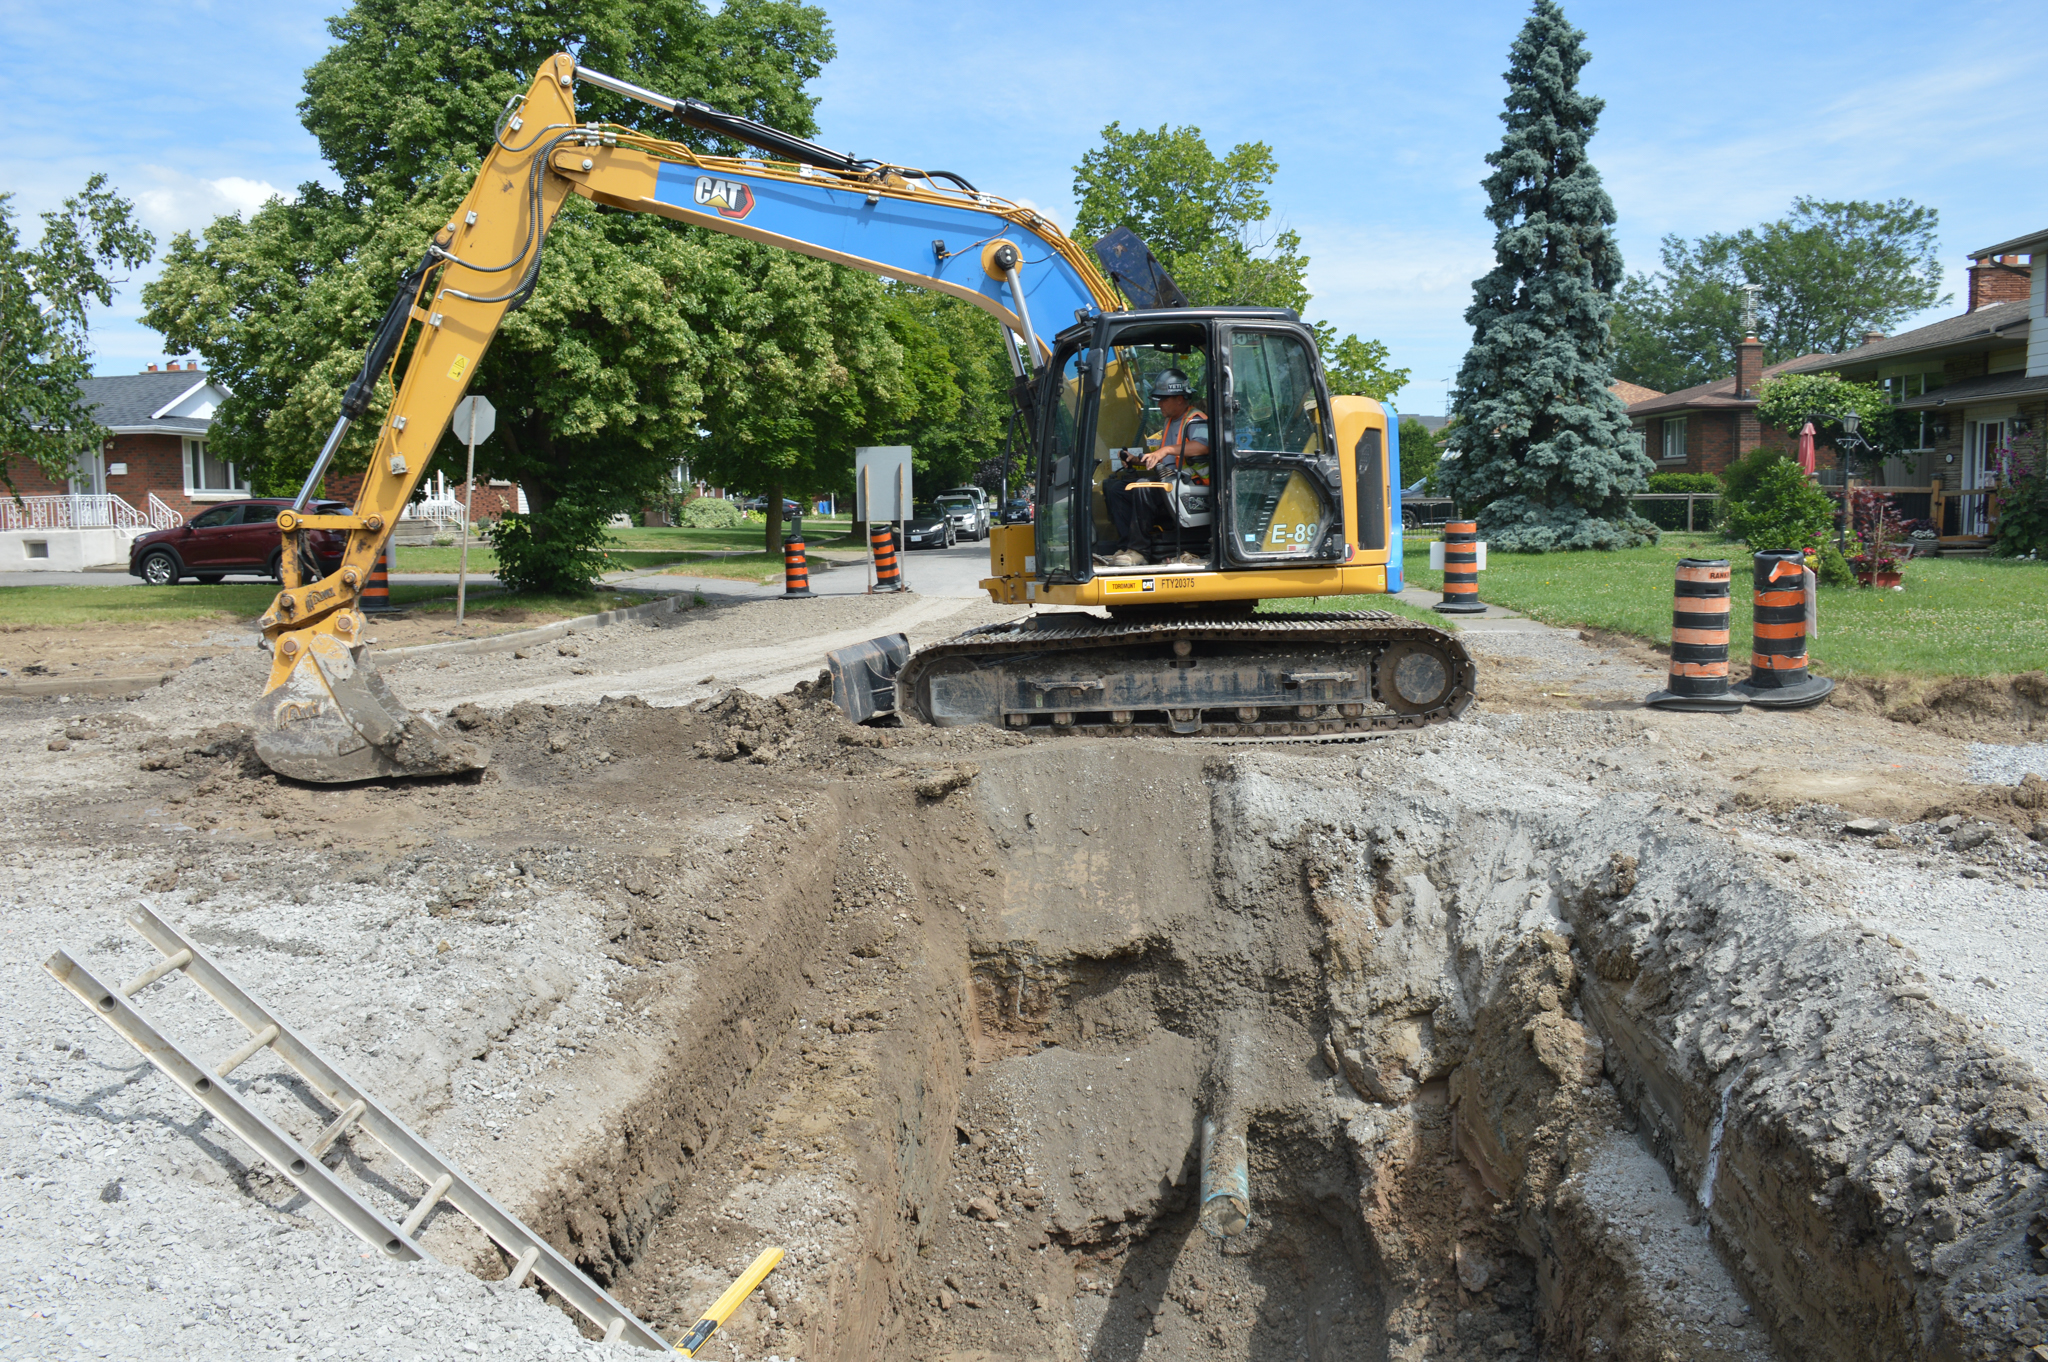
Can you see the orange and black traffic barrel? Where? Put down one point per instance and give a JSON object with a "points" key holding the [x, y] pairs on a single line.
{"points": [[796, 572], [1461, 570], [376, 597], [1699, 640], [1778, 675], [882, 543]]}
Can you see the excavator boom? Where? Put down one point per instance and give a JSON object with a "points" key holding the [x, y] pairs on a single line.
{"points": [[1323, 520]]}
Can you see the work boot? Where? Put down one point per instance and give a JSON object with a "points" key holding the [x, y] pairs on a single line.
{"points": [[1127, 558], [1191, 560]]}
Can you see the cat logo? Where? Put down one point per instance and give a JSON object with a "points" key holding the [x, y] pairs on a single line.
{"points": [[731, 198]]}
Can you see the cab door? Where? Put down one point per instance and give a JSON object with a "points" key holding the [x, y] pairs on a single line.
{"points": [[1282, 501], [1064, 529]]}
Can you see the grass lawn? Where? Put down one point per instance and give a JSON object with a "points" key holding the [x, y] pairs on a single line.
{"points": [[1956, 616], [138, 604]]}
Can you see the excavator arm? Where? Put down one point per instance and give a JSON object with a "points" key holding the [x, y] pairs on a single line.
{"points": [[325, 715]]}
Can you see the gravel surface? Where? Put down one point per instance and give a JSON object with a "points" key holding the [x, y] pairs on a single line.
{"points": [[139, 1229], [1999, 764]]}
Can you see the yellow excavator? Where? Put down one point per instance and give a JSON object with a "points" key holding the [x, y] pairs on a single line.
{"points": [[1295, 493]]}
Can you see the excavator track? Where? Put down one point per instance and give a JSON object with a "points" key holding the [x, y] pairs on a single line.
{"points": [[1295, 677]]}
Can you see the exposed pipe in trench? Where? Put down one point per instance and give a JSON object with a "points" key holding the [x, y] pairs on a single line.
{"points": [[1226, 1198]]}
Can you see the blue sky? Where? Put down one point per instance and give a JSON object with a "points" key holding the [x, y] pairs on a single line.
{"points": [[1379, 116]]}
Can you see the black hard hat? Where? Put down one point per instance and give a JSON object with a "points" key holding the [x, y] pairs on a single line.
{"points": [[1172, 383]]}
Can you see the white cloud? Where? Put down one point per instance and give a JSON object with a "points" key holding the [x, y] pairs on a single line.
{"points": [[179, 202]]}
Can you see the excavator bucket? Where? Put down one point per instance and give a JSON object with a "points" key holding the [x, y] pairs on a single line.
{"points": [[331, 719]]}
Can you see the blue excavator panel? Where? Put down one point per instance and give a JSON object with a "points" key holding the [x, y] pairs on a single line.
{"points": [[888, 236]]}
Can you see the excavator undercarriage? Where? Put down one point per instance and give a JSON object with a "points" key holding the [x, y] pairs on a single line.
{"points": [[1286, 676]]}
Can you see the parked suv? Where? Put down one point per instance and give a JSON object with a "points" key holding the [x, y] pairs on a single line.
{"points": [[238, 537], [970, 511]]}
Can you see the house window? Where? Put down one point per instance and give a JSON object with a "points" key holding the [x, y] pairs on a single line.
{"points": [[205, 473], [1916, 428], [1674, 440]]}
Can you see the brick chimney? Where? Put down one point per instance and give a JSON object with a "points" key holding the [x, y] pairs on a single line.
{"points": [[1998, 279], [1749, 366], [1871, 338], [150, 370]]}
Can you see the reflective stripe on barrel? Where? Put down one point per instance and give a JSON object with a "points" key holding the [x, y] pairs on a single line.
{"points": [[796, 571], [882, 542], [377, 591], [1461, 560], [1699, 628], [1777, 651]]}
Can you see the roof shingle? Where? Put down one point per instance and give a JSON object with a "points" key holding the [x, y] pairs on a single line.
{"points": [[129, 400]]}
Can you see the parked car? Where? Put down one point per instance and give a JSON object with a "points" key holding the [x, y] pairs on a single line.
{"points": [[1018, 511], [970, 511], [759, 505], [235, 538], [929, 528]]}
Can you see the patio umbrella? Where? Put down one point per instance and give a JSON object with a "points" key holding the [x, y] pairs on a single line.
{"points": [[1806, 447]]}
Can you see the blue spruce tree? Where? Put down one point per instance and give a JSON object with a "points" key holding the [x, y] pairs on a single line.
{"points": [[1544, 454]]}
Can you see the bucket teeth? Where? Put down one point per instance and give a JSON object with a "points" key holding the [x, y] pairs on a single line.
{"points": [[332, 719]]}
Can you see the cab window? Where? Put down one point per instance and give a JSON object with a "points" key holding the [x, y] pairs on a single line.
{"points": [[1285, 488]]}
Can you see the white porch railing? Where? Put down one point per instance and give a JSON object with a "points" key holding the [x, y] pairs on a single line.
{"points": [[442, 511], [161, 516], [80, 511]]}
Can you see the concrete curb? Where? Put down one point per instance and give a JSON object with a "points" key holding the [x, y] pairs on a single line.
{"points": [[505, 643], [102, 686]]}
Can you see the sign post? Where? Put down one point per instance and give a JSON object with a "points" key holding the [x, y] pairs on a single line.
{"points": [[475, 419], [883, 486]]}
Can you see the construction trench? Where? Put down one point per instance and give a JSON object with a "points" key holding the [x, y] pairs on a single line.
{"points": [[1537, 1041]]}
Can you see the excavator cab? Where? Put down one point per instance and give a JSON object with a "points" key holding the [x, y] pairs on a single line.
{"points": [[1270, 494]]}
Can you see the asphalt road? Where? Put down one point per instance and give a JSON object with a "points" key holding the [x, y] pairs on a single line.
{"points": [[929, 572]]}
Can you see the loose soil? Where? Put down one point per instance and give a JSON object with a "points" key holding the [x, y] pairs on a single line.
{"points": [[1573, 1030]]}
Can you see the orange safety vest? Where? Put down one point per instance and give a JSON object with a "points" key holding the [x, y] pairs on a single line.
{"points": [[1172, 436]]}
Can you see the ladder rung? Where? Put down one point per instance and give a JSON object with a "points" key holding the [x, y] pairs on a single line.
{"points": [[524, 1267], [435, 1192], [614, 1329], [156, 972], [348, 1117], [249, 1047]]}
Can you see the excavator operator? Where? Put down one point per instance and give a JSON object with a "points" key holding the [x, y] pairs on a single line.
{"points": [[1137, 493]]}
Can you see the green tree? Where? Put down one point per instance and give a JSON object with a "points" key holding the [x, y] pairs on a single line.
{"points": [[1206, 217], [802, 367], [1358, 367], [1543, 451], [1790, 400], [1825, 274], [1782, 510], [1421, 451], [959, 375], [599, 379], [46, 294]]}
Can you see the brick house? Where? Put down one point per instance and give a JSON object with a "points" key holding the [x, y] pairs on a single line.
{"points": [[158, 420], [154, 471], [1973, 387], [1704, 428]]}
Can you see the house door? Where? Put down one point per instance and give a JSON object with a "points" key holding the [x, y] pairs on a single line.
{"points": [[88, 484], [1980, 470]]}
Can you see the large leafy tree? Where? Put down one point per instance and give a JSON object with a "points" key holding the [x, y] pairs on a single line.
{"points": [[1207, 218], [1824, 274], [1543, 452], [46, 293], [601, 379], [959, 375]]}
